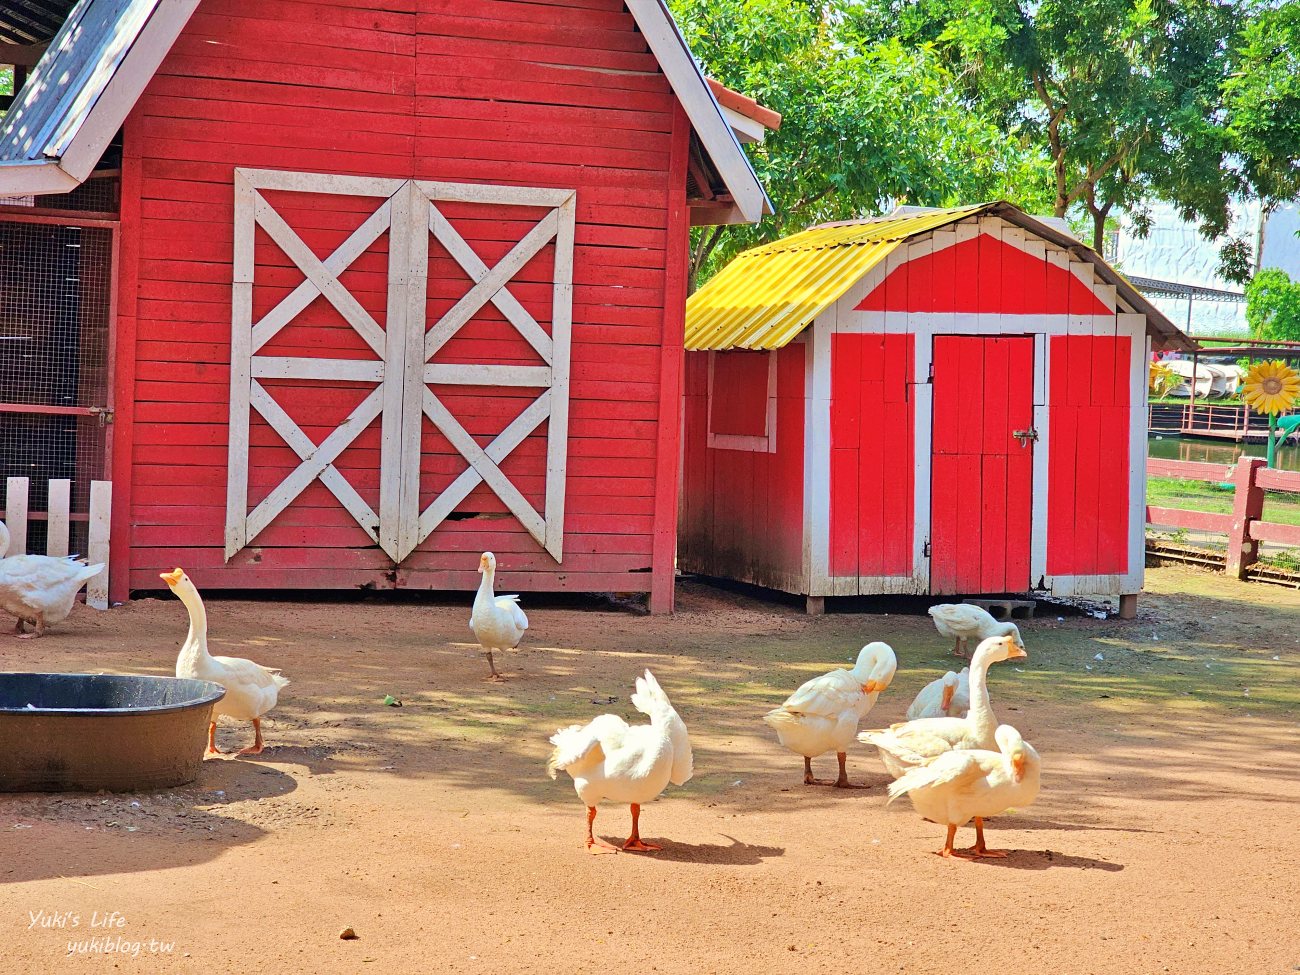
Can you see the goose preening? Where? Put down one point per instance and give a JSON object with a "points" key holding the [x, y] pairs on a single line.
{"points": [[40, 589], [496, 621], [964, 622], [610, 760], [251, 689], [912, 743], [823, 714], [948, 696], [959, 786]]}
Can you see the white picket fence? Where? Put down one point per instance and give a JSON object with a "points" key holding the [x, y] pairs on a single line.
{"points": [[59, 520]]}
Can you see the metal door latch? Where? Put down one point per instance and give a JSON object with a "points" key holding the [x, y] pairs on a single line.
{"points": [[1024, 436]]}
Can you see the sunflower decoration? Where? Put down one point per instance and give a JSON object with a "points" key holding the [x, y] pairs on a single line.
{"points": [[1272, 387]]}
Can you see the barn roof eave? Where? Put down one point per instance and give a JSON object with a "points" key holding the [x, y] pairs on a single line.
{"points": [[82, 89], [98, 64]]}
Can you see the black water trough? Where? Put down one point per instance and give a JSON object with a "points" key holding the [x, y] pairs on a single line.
{"points": [[86, 732]]}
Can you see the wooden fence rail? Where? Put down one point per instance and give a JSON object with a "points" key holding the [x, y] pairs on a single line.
{"points": [[59, 518], [1245, 526]]}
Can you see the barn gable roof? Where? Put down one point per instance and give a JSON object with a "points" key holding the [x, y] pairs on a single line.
{"points": [[766, 296], [106, 52]]}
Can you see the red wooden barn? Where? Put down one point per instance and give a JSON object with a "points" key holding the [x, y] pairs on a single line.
{"points": [[936, 402], [383, 286]]}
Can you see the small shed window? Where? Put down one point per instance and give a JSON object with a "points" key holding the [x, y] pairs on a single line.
{"points": [[742, 400]]}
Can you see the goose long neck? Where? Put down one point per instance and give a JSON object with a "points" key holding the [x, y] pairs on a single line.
{"points": [[981, 708], [486, 594], [195, 647]]}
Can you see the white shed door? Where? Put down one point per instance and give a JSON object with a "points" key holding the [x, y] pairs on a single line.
{"points": [[405, 352]]}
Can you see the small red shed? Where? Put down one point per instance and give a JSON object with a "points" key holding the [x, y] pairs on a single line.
{"points": [[390, 284], [935, 402]]}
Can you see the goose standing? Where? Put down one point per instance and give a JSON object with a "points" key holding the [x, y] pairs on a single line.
{"points": [[40, 589], [496, 621], [609, 759], [947, 696], [912, 743], [823, 714], [960, 786], [251, 689], [964, 622]]}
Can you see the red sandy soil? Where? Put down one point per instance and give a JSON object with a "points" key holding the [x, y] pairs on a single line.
{"points": [[1164, 839]]}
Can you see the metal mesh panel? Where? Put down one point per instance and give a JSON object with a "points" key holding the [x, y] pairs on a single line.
{"points": [[55, 290], [99, 194]]}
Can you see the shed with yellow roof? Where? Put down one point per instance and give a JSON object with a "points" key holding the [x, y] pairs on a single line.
{"points": [[937, 402]]}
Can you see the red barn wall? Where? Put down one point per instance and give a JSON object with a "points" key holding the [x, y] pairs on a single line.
{"points": [[742, 510], [561, 95]]}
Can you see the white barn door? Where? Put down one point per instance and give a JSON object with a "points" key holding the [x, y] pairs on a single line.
{"points": [[405, 363]]}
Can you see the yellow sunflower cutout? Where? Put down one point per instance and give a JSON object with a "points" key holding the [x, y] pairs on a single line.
{"points": [[1272, 387]]}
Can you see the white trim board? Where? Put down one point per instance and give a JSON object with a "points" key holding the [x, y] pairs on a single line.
{"points": [[401, 368]]}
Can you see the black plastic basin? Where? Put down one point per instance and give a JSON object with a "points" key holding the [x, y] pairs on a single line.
{"points": [[86, 732]]}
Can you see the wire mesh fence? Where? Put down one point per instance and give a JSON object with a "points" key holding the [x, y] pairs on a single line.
{"points": [[55, 322]]}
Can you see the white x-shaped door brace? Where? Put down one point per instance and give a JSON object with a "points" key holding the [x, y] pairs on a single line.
{"points": [[403, 369]]}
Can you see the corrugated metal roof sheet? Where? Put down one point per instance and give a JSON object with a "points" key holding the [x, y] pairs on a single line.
{"points": [[70, 77], [24, 22], [769, 294]]}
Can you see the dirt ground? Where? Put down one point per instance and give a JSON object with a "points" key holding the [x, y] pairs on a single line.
{"points": [[1163, 841]]}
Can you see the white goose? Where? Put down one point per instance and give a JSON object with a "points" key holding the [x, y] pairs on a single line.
{"points": [[912, 743], [251, 689], [40, 589], [947, 696], [960, 786], [496, 621], [609, 759], [964, 622], [823, 714]]}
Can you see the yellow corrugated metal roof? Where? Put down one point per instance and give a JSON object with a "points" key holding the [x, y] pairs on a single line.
{"points": [[768, 294]]}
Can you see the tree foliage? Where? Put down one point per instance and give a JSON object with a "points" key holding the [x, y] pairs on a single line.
{"points": [[1273, 306], [1263, 101], [1125, 96], [867, 122]]}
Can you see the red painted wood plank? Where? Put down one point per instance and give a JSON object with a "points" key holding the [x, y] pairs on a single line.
{"points": [[875, 522], [846, 419], [990, 253], [971, 394], [965, 264], [1189, 470], [1269, 531], [739, 403], [997, 392], [994, 527], [1274, 480], [1183, 518]]}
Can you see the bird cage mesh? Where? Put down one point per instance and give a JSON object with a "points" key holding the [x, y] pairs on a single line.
{"points": [[55, 319]]}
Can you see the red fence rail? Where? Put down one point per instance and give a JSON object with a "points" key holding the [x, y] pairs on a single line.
{"points": [[1245, 526]]}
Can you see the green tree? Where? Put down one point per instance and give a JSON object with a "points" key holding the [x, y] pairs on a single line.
{"points": [[867, 123], [1263, 100], [1273, 306], [1124, 96]]}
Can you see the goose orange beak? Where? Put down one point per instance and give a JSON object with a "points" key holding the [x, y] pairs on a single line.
{"points": [[871, 687], [1018, 766], [174, 577], [947, 698], [1016, 653]]}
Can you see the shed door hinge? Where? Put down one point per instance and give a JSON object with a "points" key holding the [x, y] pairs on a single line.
{"points": [[925, 550]]}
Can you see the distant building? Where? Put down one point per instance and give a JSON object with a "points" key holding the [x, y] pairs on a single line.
{"points": [[1175, 253]]}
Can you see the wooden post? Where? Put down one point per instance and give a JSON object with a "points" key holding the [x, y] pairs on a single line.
{"points": [[814, 605], [1247, 506], [16, 514], [1128, 606]]}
